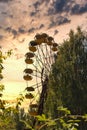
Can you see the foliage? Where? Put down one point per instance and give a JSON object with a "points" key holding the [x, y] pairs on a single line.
{"points": [[6, 114], [7, 120], [65, 122], [2, 58], [19, 114], [68, 80], [10, 117], [67, 88]]}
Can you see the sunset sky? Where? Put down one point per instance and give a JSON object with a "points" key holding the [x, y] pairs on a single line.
{"points": [[20, 20]]}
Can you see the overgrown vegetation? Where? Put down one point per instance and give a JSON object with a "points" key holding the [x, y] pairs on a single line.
{"points": [[65, 107], [68, 81]]}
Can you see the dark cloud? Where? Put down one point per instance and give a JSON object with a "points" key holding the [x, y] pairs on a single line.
{"points": [[52, 23], [5, 0], [67, 6], [21, 30], [63, 20], [33, 13], [40, 2], [1, 37], [14, 32], [41, 26], [55, 32], [59, 21], [77, 9], [36, 5], [11, 30], [4, 13], [50, 11], [31, 30], [59, 5]]}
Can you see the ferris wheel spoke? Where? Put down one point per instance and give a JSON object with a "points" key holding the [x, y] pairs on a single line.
{"points": [[36, 68], [36, 75], [42, 63], [39, 84], [37, 87], [38, 71], [44, 56], [34, 100], [51, 56], [39, 53], [47, 52], [36, 95], [38, 61], [41, 58]]}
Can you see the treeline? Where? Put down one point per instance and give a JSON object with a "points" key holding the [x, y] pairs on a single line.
{"points": [[68, 80]]}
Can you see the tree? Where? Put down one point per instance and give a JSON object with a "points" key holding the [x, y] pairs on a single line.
{"points": [[68, 80], [6, 117], [11, 118], [1, 68], [2, 58]]}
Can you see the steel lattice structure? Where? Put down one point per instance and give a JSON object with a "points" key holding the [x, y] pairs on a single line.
{"points": [[39, 61]]}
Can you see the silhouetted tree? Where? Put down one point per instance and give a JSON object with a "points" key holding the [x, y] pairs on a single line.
{"points": [[68, 81]]}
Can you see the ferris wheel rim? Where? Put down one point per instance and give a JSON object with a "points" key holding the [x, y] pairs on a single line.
{"points": [[40, 57]]}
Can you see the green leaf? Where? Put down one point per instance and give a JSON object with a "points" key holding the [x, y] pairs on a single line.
{"points": [[73, 121], [85, 117], [41, 117], [73, 128], [51, 123], [63, 109]]}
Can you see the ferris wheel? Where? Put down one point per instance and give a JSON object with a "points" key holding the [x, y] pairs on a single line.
{"points": [[39, 60]]}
